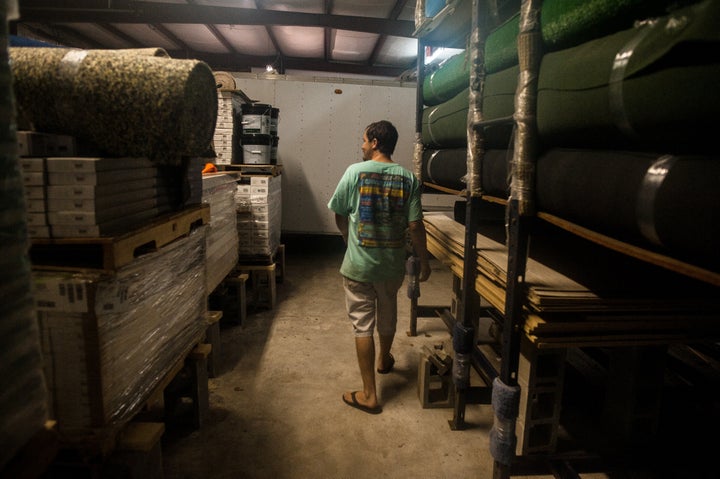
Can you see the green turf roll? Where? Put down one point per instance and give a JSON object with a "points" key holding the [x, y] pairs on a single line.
{"points": [[451, 78], [649, 87], [565, 23]]}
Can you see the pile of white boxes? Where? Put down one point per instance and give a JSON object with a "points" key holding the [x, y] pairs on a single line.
{"points": [[223, 137], [259, 214]]}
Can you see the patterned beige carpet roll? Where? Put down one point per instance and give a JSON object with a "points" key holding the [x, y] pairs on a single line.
{"points": [[125, 102], [224, 81]]}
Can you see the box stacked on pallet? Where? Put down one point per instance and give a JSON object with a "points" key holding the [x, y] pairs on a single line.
{"points": [[109, 339], [23, 396], [259, 215], [222, 253], [223, 137], [114, 194]]}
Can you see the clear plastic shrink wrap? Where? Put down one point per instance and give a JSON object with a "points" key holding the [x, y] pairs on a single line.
{"points": [[222, 238], [110, 339]]}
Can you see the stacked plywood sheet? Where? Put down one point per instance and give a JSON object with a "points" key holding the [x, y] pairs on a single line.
{"points": [[592, 300]]}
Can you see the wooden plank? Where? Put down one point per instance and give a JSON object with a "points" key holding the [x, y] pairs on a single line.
{"points": [[672, 264], [140, 436], [550, 290]]}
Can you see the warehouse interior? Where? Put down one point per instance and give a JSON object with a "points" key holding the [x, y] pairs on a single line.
{"points": [[172, 302]]}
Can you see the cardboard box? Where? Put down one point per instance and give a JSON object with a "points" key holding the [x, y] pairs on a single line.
{"points": [[108, 177], [32, 165], [35, 192], [91, 165], [32, 143], [33, 178], [94, 192]]}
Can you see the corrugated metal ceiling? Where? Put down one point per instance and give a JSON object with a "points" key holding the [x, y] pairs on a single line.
{"points": [[371, 37]]}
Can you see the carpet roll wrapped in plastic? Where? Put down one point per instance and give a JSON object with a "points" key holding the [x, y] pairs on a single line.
{"points": [[452, 77], [653, 87], [124, 102], [566, 23], [669, 201], [445, 125], [447, 168]]}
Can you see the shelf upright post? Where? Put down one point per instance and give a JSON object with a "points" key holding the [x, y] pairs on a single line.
{"points": [[417, 155], [520, 214], [464, 344]]}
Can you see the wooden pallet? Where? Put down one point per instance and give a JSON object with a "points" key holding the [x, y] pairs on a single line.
{"points": [[246, 170], [111, 253]]}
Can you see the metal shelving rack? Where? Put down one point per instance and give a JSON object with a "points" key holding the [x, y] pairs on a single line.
{"points": [[521, 211]]}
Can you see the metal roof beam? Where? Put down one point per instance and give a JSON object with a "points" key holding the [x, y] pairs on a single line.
{"points": [[154, 12]]}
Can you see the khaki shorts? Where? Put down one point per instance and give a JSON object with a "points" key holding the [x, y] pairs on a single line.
{"points": [[371, 304]]}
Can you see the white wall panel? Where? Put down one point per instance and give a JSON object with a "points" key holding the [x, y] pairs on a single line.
{"points": [[320, 130]]}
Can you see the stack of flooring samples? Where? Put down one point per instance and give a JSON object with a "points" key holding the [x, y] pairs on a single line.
{"points": [[89, 197]]}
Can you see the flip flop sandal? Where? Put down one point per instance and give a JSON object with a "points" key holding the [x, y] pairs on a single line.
{"points": [[389, 368], [357, 405]]}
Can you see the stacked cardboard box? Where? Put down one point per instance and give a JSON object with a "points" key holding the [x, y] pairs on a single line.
{"points": [[259, 214], [224, 138], [111, 195], [70, 196]]}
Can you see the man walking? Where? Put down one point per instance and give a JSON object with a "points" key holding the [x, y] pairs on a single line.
{"points": [[375, 203]]}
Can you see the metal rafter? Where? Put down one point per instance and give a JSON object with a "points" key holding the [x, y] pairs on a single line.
{"points": [[120, 34], [216, 33], [163, 30], [35, 11], [280, 67]]}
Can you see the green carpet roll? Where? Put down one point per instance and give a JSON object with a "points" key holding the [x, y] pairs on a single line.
{"points": [[448, 168], [124, 102], [451, 78], [445, 125], [565, 23], [655, 200], [651, 87]]}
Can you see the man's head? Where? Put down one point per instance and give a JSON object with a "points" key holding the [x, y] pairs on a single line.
{"points": [[381, 136]]}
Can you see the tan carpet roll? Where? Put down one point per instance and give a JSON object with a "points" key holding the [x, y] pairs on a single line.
{"points": [[125, 102], [225, 81]]}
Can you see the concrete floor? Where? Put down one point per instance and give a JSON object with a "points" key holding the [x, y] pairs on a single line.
{"points": [[276, 408]]}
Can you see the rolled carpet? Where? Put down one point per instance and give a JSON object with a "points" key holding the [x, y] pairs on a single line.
{"points": [[566, 23], [451, 78], [655, 200], [124, 102], [652, 87], [447, 168], [445, 125]]}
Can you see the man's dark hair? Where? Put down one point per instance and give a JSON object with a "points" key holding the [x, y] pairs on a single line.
{"points": [[386, 135]]}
